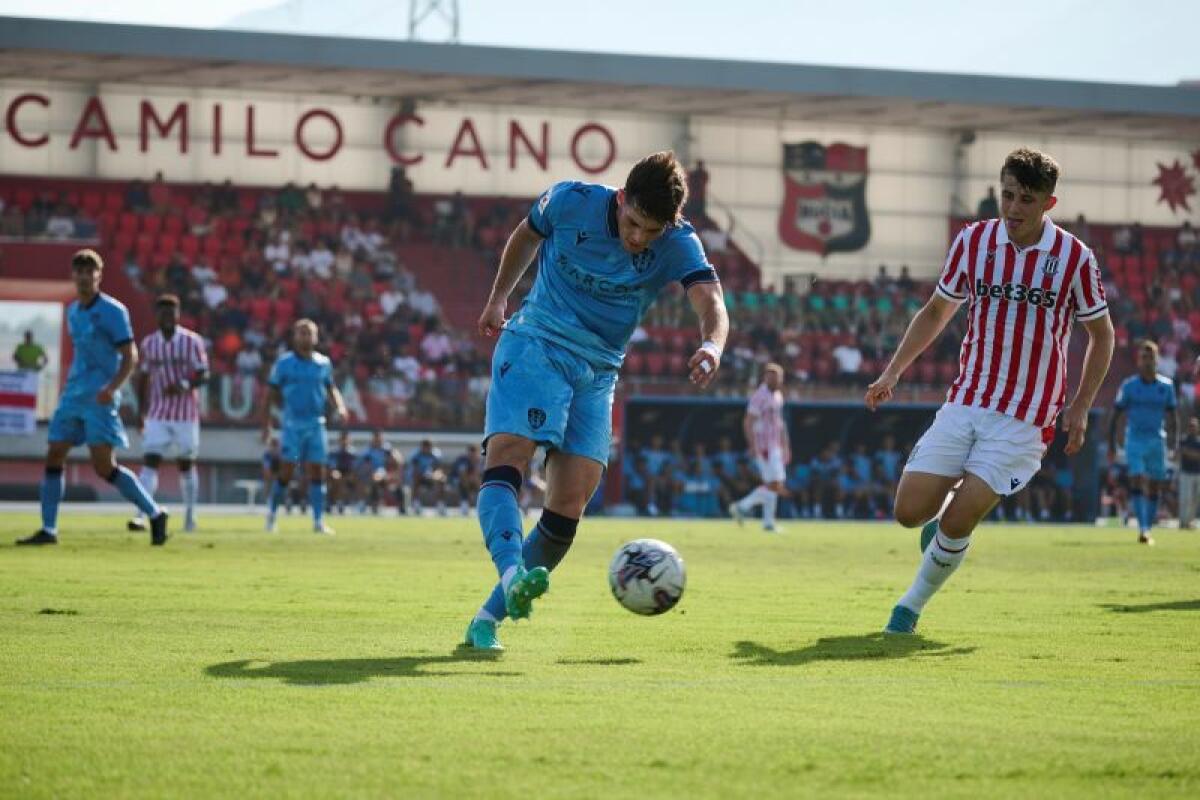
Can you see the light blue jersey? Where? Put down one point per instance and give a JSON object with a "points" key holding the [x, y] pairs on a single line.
{"points": [[98, 332], [590, 293], [304, 384], [1145, 404]]}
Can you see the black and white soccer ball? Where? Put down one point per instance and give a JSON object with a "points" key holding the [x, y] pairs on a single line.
{"points": [[647, 576]]}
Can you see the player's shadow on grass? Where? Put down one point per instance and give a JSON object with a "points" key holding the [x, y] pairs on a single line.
{"points": [[871, 646], [1177, 605], [341, 671]]}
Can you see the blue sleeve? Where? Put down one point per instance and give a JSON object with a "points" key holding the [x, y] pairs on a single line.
{"points": [[547, 210], [117, 325], [688, 264], [276, 378], [1122, 400]]}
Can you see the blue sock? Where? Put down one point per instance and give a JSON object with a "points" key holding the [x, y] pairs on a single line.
{"points": [[133, 491], [1151, 510], [545, 547], [278, 492], [1139, 507], [53, 485], [316, 499], [500, 516]]}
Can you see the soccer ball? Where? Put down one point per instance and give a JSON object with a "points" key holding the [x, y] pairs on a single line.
{"points": [[647, 576]]}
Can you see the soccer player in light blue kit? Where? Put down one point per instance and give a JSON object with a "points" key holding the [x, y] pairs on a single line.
{"points": [[603, 255], [1144, 401], [105, 357], [302, 382]]}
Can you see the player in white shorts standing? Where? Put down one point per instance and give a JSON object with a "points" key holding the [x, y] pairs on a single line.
{"points": [[766, 433], [1026, 282], [174, 363]]}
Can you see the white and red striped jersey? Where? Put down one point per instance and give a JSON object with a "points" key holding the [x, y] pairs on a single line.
{"points": [[766, 412], [1022, 304], [167, 362]]}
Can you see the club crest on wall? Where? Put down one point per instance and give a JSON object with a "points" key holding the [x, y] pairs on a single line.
{"points": [[825, 201]]}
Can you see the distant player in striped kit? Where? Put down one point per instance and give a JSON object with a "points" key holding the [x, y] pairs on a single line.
{"points": [[767, 436], [1026, 282], [174, 364]]}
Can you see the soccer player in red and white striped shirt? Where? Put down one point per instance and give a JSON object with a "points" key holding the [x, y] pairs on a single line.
{"points": [[173, 364], [1025, 282], [767, 436]]}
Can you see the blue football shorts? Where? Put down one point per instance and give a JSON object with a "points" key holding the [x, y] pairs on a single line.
{"points": [[303, 444], [1146, 456], [87, 422]]}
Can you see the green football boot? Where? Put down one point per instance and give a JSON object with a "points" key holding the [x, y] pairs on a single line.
{"points": [[526, 586], [481, 635]]}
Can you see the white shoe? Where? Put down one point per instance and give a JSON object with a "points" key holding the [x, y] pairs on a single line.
{"points": [[323, 530], [271, 526], [736, 513], [772, 529]]}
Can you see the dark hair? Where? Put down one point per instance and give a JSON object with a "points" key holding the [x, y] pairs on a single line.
{"points": [[167, 300], [657, 186], [87, 258], [1033, 170]]}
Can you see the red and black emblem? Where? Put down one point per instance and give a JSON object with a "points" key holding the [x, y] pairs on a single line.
{"points": [[825, 198]]}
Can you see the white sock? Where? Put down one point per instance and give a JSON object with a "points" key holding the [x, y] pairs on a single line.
{"points": [[484, 614], [941, 559], [769, 505], [149, 479], [190, 483], [507, 577], [757, 497]]}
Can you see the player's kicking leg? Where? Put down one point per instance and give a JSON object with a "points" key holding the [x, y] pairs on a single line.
{"points": [[918, 498], [53, 485]]}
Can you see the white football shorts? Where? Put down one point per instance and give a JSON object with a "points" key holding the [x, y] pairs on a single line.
{"points": [[772, 468], [1002, 450], [161, 435]]}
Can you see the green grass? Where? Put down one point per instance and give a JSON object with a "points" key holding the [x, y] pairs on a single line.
{"points": [[1058, 662]]}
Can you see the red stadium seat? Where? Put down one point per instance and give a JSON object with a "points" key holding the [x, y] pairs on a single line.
{"points": [[173, 224], [129, 222], [168, 243], [190, 246], [114, 201], [151, 223], [656, 364], [635, 363]]}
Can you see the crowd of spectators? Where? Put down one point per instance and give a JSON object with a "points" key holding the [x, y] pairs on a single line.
{"points": [[838, 482]]}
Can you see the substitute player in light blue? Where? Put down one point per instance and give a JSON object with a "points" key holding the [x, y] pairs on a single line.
{"points": [[1146, 401], [302, 382], [603, 255], [105, 357]]}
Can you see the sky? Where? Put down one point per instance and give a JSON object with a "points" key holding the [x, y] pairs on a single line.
{"points": [[1119, 41]]}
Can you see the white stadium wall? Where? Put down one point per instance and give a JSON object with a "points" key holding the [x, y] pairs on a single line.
{"points": [[56, 129]]}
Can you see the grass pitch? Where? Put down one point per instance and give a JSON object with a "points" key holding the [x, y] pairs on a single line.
{"points": [[1058, 662]]}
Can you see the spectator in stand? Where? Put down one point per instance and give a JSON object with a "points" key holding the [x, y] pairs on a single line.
{"points": [[278, 252], [341, 474], [889, 459], [849, 360], [249, 361], [291, 200], [343, 262], [883, 281], [905, 283], [313, 198], [29, 356], [800, 490], [638, 483], [159, 194], [202, 273], [225, 198], [827, 491], [322, 260], [1081, 229], [400, 199], [989, 206], [696, 208], [464, 479], [12, 224], [301, 261], [215, 294], [428, 478], [133, 270], [374, 470], [60, 224], [1186, 240], [137, 198]]}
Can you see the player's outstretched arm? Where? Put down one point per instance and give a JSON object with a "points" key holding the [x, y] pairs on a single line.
{"points": [[518, 254], [926, 325], [708, 301], [1095, 367]]}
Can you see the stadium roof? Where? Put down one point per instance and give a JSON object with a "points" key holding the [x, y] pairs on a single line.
{"points": [[105, 53]]}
